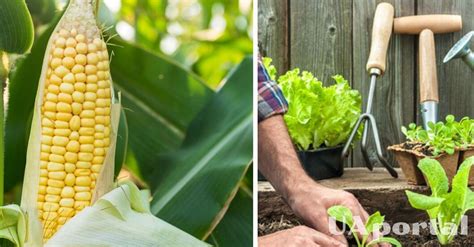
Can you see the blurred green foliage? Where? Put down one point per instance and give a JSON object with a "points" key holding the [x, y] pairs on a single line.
{"points": [[209, 37]]}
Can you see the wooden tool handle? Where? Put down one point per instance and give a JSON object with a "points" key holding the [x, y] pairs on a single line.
{"points": [[427, 63], [381, 32], [436, 23]]}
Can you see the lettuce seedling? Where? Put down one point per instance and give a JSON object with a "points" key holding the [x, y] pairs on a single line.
{"points": [[465, 132], [440, 137], [415, 133], [445, 208], [373, 224]]}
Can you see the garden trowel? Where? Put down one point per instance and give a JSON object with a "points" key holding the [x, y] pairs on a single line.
{"points": [[428, 78], [381, 32], [426, 26]]}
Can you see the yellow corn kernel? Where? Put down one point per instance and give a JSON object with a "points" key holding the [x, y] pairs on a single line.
{"points": [[66, 211], [66, 202], [83, 196], [53, 190], [70, 179], [73, 146], [83, 181], [67, 192], [75, 124], [82, 172]]}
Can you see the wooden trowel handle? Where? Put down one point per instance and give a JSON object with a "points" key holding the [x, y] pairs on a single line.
{"points": [[436, 23], [427, 63], [381, 32]]}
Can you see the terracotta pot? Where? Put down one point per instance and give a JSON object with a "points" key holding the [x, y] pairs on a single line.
{"points": [[408, 161], [463, 156]]}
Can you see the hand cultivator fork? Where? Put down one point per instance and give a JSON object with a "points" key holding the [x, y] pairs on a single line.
{"points": [[381, 31]]}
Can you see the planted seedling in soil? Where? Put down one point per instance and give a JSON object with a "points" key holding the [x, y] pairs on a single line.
{"points": [[445, 208], [373, 225]]}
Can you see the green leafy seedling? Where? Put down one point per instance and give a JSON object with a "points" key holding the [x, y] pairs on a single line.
{"points": [[445, 208], [442, 137], [465, 132], [414, 133], [373, 224]]}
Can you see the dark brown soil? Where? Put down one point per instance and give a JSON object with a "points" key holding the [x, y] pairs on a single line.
{"points": [[425, 239], [419, 147], [275, 215]]}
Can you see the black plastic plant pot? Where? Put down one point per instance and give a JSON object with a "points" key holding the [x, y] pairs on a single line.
{"points": [[323, 163]]}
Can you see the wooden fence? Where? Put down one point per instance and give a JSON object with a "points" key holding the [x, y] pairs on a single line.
{"points": [[328, 37]]}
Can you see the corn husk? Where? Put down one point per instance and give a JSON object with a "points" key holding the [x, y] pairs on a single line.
{"points": [[13, 224], [82, 8], [117, 217], [121, 217]]}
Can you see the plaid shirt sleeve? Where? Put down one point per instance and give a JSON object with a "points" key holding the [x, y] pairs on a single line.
{"points": [[270, 97]]}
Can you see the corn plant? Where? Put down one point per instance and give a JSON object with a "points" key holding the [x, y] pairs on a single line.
{"points": [[75, 142]]}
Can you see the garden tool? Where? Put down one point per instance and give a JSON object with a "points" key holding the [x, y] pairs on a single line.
{"points": [[381, 32], [462, 49], [428, 78], [427, 26]]}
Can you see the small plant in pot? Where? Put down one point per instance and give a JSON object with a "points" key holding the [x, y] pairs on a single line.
{"points": [[319, 119], [447, 142], [465, 131]]}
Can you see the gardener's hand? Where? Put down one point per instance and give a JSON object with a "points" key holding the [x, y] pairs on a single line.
{"points": [[297, 237], [310, 201]]}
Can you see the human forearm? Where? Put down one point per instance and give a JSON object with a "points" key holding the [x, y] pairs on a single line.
{"points": [[309, 200], [278, 160]]}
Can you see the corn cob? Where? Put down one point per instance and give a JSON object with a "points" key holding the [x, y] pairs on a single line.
{"points": [[75, 97]]}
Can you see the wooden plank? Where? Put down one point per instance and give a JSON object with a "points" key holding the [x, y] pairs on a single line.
{"points": [[455, 79], [273, 32], [357, 179], [395, 90], [320, 37]]}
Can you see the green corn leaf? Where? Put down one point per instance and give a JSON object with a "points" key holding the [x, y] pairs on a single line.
{"points": [[122, 141], [22, 89], [160, 99], [233, 230], [200, 180], [16, 27]]}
